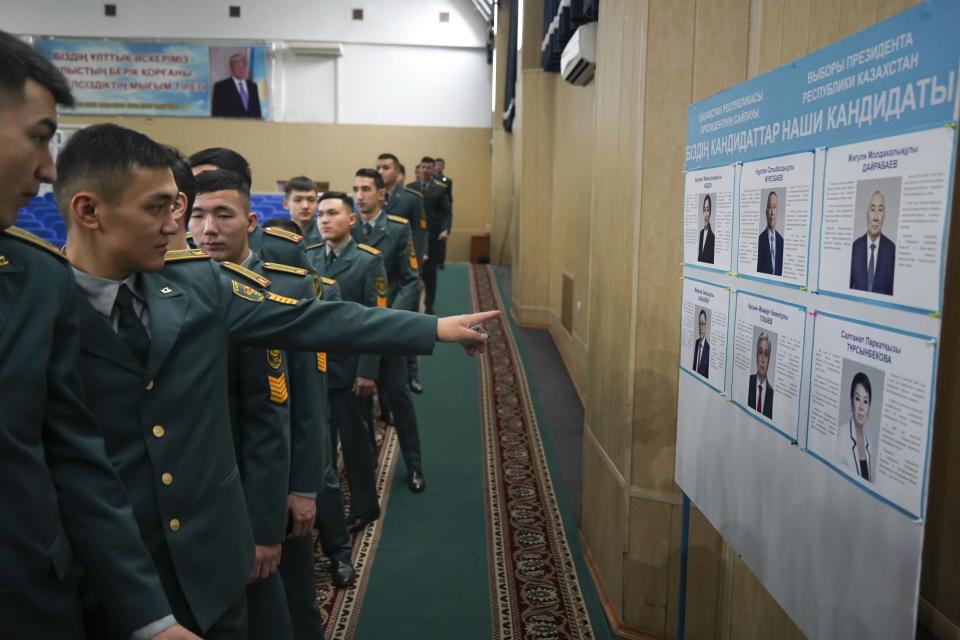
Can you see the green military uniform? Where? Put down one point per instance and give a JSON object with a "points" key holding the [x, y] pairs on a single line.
{"points": [[311, 234], [60, 494], [443, 245], [407, 202], [439, 212], [273, 244], [196, 526], [361, 278], [391, 236]]}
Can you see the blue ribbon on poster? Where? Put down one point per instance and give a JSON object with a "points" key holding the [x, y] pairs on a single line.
{"points": [[162, 79], [899, 75]]}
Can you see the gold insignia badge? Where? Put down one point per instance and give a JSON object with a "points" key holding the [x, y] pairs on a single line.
{"points": [[278, 388], [246, 292], [423, 223], [381, 286], [412, 252], [274, 359], [321, 361], [274, 297], [166, 290], [3, 261], [317, 287]]}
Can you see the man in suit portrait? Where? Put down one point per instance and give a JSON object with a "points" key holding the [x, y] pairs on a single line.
{"points": [[873, 256], [236, 96], [760, 396], [701, 350], [707, 239], [770, 247]]}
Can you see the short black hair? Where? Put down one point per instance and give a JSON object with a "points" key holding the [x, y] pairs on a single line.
{"points": [[338, 195], [284, 223], [21, 62], [299, 183], [389, 156], [707, 199], [222, 180], [860, 378], [426, 160], [223, 158], [183, 176], [100, 158], [438, 159], [402, 168], [373, 174]]}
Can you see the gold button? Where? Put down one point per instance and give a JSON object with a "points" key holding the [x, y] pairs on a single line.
{"points": [[150, 386], [174, 525], [167, 479], [158, 431]]}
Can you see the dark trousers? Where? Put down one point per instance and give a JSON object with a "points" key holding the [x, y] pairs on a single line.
{"points": [[393, 384], [443, 253], [346, 420], [413, 368], [268, 617], [296, 570], [434, 253], [334, 537]]}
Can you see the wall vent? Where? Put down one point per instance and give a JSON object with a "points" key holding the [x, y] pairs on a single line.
{"points": [[110, 10], [234, 11], [566, 303], [358, 14], [444, 16]]}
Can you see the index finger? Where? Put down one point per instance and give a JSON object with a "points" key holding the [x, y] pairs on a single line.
{"points": [[477, 318]]}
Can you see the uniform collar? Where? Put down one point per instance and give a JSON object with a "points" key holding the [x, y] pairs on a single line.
{"points": [[102, 292]]}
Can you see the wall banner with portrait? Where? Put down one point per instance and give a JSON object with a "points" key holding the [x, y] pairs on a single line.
{"points": [[163, 79], [703, 332], [708, 218], [870, 407]]}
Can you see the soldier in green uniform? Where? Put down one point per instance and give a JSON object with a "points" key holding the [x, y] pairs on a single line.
{"points": [[300, 201], [437, 206], [391, 236], [439, 165], [155, 337], [360, 276], [63, 501]]}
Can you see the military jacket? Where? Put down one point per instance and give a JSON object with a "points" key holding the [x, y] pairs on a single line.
{"points": [[407, 203], [171, 416], [437, 207], [279, 245], [391, 236], [61, 496]]}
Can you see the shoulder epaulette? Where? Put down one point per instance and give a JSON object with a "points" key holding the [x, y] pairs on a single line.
{"points": [[29, 238], [368, 249], [185, 254], [284, 268], [318, 245], [442, 184], [399, 219], [188, 235], [328, 281], [246, 273], [413, 191], [283, 233]]}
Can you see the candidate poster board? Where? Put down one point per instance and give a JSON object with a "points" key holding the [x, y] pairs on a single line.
{"points": [[708, 218], [703, 332], [775, 199], [885, 206]]}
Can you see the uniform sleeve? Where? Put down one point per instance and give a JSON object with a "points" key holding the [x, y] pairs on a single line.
{"points": [[261, 318], [408, 294], [374, 295], [447, 205], [94, 507], [419, 227], [264, 440]]}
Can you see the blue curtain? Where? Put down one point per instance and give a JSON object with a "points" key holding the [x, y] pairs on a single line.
{"points": [[510, 82]]}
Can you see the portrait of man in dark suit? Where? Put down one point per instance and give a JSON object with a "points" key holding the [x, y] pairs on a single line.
{"points": [[874, 254], [707, 239], [701, 348], [236, 96], [760, 395], [770, 246]]}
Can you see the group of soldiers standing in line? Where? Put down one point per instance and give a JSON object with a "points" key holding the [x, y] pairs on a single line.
{"points": [[171, 413]]}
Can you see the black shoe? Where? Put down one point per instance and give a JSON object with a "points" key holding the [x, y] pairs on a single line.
{"points": [[360, 522], [415, 481], [342, 573], [415, 385]]}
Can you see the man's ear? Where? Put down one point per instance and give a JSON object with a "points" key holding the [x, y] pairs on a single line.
{"points": [[85, 210], [251, 222]]}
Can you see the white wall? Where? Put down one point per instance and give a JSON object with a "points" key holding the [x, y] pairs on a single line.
{"points": [[428, 73]]}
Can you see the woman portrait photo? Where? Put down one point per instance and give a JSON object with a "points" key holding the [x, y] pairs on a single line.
{"points": [[853, 443]]}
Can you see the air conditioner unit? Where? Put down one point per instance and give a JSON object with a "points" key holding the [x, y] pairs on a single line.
{"points": [[333, 49], [578, 62]]}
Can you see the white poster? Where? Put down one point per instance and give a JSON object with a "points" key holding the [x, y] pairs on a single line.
{"points": [[708, 218], [775, 209], [703, 331], [884, 213], [870, 407], [768, 359]]}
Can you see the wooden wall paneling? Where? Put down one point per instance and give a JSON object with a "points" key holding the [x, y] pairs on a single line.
{"points": [[755, 614], [796, 29], [766, 36], [856, 15], [501, 143], [648, 567], [824, 23]]}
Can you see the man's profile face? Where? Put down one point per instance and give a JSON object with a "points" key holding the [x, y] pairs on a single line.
{"points": [[439, 166], [220, 224], [763, 358], [861, 405], [875, 213], [772, 211], [702, 322], [26, 127], [366, 195], [302, 206], [335, 219], [707, 206], [238, 67], [388, 171]]}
